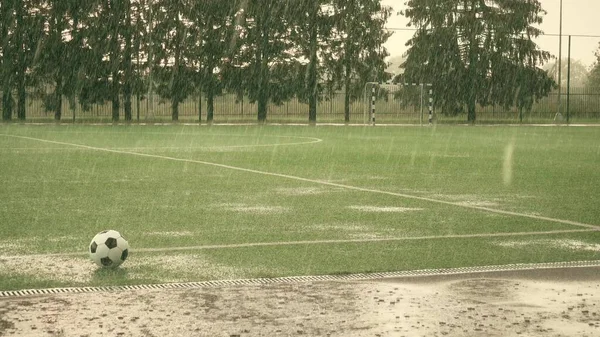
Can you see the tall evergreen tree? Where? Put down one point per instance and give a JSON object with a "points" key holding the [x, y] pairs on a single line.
{"points": [[114, 12], [20, 60], [312, 30], [55, 55], [7, 26], [214, 41], [127, 59], [359, 52], [54, 63], [265, 66], [477, 52], [171, 53]]}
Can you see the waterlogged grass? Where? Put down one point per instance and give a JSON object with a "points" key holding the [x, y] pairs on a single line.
{"points": [[305, 259], [54, 196]]}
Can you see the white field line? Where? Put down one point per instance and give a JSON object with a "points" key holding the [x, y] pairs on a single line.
{"points": [[321, 182], [316, 242]]}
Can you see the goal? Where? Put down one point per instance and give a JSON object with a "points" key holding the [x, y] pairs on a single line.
{"points": [[403, 96]]}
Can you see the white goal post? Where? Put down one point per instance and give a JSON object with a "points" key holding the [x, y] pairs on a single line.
{"points": [[372, 90]]}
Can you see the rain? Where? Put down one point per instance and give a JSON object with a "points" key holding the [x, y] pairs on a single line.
{"points": [[299, 167]]}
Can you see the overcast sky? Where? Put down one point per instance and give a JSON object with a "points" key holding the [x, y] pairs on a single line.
{"points": [[580, 17]]}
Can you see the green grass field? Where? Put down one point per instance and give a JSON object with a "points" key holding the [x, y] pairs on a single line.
{"points": [[224, 202]]}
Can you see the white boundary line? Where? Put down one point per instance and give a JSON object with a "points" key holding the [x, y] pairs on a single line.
{"points": [[313, 242], [377, 240], [368, 277], [314, 181]]}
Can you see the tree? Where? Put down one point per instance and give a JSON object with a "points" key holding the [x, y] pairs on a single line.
{"points": [[57, 59], [133, 31], [358, 53], [94, 57], [20, 51], [312, 29], [594, 75], [484, 46], [53, 63], [212, 42], [7, 24], [113, 12], [108, 70], [76, 51], [172, 63], [127, 59], [579, 72], [265, 67]]}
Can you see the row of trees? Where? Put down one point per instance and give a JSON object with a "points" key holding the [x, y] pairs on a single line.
{"points": [[475, 52], [127, 50]]}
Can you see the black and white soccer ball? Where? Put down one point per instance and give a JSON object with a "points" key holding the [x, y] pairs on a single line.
{"points": [[109, 249]]}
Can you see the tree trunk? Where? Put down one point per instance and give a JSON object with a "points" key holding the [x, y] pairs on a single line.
{"points": [[114, 59], [473, 64], [137, 48], [175, 75], [127, 103], [21, 66], [174, 109], [114, 92], [347, 96], [210, 92], [263, 92], [6, 104], [347, 104], [6, 61], [22, 94], [263, 104], [263, 64], [73, 108], [347, 81], [58, 97], [200, 108], [127, 58], [312, 68], [471, 117], [210, 102]]}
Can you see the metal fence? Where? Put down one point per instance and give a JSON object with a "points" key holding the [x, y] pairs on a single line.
{"points": [[580, 104], [577, 104], [227, 108]]}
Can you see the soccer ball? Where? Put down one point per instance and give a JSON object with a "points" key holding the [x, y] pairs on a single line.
{"points": [[109, 249]]}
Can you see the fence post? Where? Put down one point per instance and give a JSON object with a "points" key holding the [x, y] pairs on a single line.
{"points": [[569, 79]]}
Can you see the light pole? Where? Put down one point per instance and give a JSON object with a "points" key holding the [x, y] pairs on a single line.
{"points": [[560, 59]]}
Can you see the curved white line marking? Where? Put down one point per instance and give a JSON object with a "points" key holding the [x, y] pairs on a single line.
{"points": [[309, 140], [321, 182]]}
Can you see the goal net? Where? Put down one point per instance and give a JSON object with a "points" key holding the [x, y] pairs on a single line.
{"points": [[398, 102]]}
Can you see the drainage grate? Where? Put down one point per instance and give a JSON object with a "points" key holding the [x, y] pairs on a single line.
{"points": [[302, 279]]}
